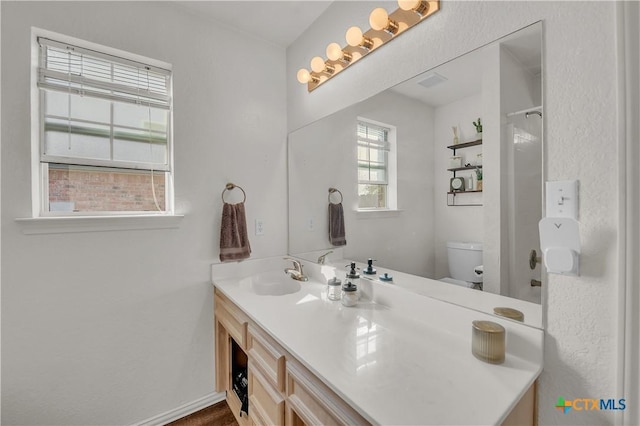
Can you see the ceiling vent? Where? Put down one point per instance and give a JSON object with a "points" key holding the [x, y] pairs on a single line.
{"points": [[432, 79]]}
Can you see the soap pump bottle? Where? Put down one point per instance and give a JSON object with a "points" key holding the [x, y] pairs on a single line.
{"points": [[370, 270], [354, 278], [352, 274]]}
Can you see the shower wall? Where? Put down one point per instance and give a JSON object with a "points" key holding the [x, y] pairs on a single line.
{"points": [[522, 177], [525, 204]]}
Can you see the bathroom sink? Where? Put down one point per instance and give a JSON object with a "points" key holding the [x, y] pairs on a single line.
{"points": [[274, 283]]}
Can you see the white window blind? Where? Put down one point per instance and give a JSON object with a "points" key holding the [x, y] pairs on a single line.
{"points": [[373, 149], [102, 110], [373, 165]]}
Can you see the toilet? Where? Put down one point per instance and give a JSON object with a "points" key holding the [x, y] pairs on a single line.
{"points": [[465, 264]]}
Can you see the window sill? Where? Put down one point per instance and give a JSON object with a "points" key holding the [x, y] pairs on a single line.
{"points": [[69, 224], [377, 214]]}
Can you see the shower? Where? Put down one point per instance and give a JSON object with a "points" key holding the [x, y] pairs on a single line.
{"points": [[523, 145]]}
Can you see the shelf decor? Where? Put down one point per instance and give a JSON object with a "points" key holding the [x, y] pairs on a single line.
{"points": [[478, 126]]}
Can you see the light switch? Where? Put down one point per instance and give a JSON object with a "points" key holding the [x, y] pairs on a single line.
{"points": [[562, 199]]}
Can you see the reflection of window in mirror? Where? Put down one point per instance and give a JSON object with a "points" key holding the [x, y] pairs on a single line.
{"points": [[376, 165]]}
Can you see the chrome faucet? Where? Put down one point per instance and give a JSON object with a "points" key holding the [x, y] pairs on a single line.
{"points": [[322, 258], [295, 272]]}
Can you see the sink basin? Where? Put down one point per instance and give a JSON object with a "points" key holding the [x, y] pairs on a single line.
{"points": [[274, 283]]}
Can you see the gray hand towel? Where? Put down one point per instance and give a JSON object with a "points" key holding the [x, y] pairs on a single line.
{"points": [[234, 239], [336, 225]]}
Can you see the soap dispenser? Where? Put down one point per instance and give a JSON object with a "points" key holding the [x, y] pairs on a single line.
{"points": [[352, 274], [370, 270], [353, 277]]}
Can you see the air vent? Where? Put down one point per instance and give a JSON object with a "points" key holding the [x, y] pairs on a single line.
{"points": [[432, 79]]}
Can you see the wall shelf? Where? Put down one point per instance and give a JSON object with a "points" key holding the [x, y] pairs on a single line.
{"points": [[457, 169], [451, 195], [465, 145], [451, 198], [462, 192]]}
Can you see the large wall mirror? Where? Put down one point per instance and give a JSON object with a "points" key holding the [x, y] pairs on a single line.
{"points": [[393, 157]]}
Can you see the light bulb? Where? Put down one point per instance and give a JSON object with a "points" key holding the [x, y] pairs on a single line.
{"points": [[419, 6], [379, 19], [408, 4], [334, 51], [317, 64], [354, 36], [304, 76]]}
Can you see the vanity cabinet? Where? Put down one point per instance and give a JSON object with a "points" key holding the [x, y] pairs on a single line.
{"points": [[230, 328], [280, 389], [451, 194]]}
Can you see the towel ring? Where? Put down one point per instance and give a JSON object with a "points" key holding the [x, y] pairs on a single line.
{"points": [[231, 186], [331, 191]]}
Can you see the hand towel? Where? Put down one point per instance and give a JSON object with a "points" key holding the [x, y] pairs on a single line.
{"points": [[336, 225], [234, 239]]}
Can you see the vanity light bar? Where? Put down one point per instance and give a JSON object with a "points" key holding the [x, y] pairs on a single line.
{"points": [[384, 27]]}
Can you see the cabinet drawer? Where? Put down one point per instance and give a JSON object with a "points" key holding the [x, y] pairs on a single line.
{"points": [[266, 404], [231, 318], [268, 357], [314, 403]]}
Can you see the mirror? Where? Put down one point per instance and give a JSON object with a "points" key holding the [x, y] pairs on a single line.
{"points": [[401, 149]]}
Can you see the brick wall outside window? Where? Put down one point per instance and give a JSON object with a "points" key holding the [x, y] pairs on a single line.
{"points": [[92, 191]]}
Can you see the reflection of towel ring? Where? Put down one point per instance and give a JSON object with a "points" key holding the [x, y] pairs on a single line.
{"points": [[331, 191], [231, 186]]}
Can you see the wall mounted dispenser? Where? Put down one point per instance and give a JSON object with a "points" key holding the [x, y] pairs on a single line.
{"points": [[560, 243]]}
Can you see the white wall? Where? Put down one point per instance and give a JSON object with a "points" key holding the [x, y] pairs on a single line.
{"points": [[323, 155], [403, 242], [580, 135], [116, 327], [631, 213]]}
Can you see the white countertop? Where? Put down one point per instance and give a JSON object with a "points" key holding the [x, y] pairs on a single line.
{"points": [[399, 358]]}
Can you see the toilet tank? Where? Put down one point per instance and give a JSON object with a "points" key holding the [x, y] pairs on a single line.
{"points": [[463, 258]]}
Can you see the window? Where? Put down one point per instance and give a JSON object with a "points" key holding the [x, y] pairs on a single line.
{"points": [[376, 165], [104, 131]]}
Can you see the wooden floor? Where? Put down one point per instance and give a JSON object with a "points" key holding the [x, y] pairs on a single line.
{"points": [[218, 414]]}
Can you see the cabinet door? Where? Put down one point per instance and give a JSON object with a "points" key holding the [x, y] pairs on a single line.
{"points": [[266, 404], [524, 413], [311, 402]]}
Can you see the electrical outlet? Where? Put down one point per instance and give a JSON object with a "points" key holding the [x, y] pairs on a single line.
{"points": [[259, 227], [310, 225]]}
